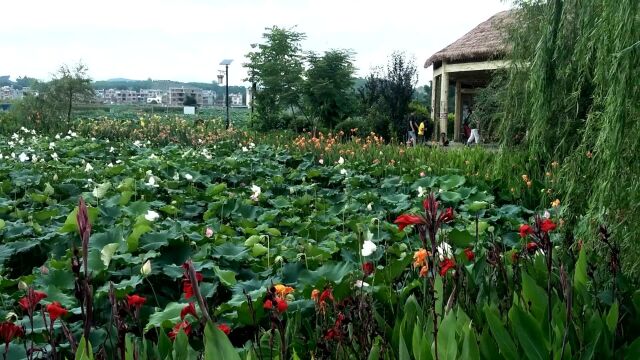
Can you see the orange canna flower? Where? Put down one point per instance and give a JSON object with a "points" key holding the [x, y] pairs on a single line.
{"points": [[420, 258], [283, 290], [424, 271]]}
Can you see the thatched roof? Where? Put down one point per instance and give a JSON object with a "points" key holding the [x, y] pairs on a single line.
{"points": [[485, 41]]}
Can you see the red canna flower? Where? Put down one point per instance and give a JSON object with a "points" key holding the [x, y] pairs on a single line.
{"points": [[187, 287], [56, 310], [407, 219], [10, 331], [224, 328], [367, 268], [525, 230], [268, 305], [281, 305], [331, 334], [182, 325], [547, 225], [532, 246], [188, 309], [29, 302], [469, 253], [327, 294], [135, 301], [446, 265], [447, 216]]}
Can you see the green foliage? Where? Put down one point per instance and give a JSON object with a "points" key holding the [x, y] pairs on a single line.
{"points": [[328, 86]]}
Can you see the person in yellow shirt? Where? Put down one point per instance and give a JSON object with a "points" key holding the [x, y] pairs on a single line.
{"points": [[421, 138]]}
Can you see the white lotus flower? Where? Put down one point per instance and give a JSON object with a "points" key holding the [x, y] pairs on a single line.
{"points": [[188, 177], [252, 145], [444, 251], [118, 161], [368, 248], [57, 136], [52, 145], [34, 158], [421, 191], [321, 161], [110, 164], [23, 157], [13, 155], [256, 192], [88, 167], [361, 284], [54, 156], [176, 177], [152, 215], [112, 149], [370, 206], [145, 270], [244, 149], [151, 182], [341, 160], [209, 232], [343, 171], [137, 143]]}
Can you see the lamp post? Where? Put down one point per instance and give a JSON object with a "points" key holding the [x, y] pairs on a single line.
{"points": [[226, 63]]}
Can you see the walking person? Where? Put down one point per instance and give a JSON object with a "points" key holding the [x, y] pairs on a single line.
{"points": [[421, 134], [412, 140], [474, 123]]}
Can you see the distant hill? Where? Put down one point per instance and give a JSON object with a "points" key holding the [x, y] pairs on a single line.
{"points": [[120, 80]]}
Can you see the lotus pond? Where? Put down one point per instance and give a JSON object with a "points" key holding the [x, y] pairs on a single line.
{"points": [[242, 250]]}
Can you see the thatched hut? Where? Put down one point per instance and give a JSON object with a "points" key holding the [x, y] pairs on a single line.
{"points": [[468, 63]]}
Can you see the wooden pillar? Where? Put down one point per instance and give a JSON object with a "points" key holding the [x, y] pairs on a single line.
{"points": [[457, 123], [444, 96], [433, 106]]}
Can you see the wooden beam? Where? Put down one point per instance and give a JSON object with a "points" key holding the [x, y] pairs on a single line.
{"points": [[457, 123], [477, 66], [469, 91]]}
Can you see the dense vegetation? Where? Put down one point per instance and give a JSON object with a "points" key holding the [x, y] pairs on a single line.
{"points": [[154, 236]]}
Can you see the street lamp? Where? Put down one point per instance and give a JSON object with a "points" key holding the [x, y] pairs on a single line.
{"points": [[226, 63]]}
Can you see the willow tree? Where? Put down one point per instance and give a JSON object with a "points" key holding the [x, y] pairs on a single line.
{"points": [[574, 98]]}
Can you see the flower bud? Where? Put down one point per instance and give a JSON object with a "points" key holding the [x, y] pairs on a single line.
{"points": [[145, 270]]}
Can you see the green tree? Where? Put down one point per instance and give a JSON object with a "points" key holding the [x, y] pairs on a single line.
{"points": [[276, 67], [328, 88], [68, 87], [190, 100], [385, 97]]}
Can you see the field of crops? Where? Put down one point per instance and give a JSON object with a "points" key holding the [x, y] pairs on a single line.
{"points": [[266, 247]]}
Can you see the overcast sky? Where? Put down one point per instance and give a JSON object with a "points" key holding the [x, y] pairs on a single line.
{"points": [[185, 40]]}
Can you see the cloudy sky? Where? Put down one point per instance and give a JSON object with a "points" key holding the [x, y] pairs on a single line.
{"points": [[185, 40]]}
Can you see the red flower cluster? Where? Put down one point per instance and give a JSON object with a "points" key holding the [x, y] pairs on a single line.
{"points": [[539, 234], [135, 301], [56, 310], [224, 328], [10, 331], [525, 230], [432, 218], [469, 254], [275, 301], [187, 287], [188, 310], [367, 268], [335, 332], [446, 265], [33, 298], [182, 325]]}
